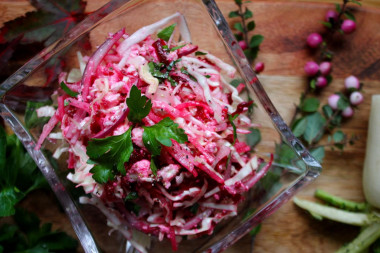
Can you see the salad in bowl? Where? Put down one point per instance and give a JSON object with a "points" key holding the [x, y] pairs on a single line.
{"points": [[150, 126]]}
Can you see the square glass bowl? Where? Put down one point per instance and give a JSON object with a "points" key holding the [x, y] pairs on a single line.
{"points": [[209, 30]]}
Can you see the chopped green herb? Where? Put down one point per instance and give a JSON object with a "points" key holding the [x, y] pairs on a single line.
{"points": [[131, 196], [231, 120], [207, 76], [177, 47], [184, 71], [166, 33], [68, 90], [139, 106], [132, 207], [200, 53], [194, 208]]}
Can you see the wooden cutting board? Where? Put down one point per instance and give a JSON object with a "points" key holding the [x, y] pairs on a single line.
{"points": [[285, 26]]}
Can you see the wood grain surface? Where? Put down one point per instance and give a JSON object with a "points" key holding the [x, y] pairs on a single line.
{"points": [[285, 25]]}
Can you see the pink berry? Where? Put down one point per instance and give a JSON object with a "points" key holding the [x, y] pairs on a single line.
{"points": [[311, 68], [333, 101], [321, 82], [348, 26], [347, 112], [259, 67], [314, 40], [243, 45], [325, 68], [352, 82], [331, 15], [356, 98]]}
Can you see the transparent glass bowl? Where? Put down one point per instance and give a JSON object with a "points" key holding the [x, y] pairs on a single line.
{"points": [[210, 32]]}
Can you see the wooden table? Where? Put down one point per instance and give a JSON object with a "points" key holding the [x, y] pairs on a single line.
{"points": [[285, 25]]}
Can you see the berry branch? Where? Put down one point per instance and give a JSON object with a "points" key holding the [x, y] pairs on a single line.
{"points": [[310, 122]]}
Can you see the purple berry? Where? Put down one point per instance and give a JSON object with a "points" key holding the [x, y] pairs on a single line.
{"points": [[321, 82], [243, 45], [333, 101], [356, 98], [348, 26], [331, 15], [311, 68], [347, 112], [325, 68], [352, 82], [314, 40], [259, 67]]}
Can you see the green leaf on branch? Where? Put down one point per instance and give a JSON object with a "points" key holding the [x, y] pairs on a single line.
{"points": [[299, 127], [139, 106], [310, 105], [343, 102], [315, 123], [356, 2], [238, 2], [248, 13], [339, 136], [162, 133], [167, 32], [338, 8], [238, 26], [327, 24], [256, 40], [254, 137], [251, 25], [233, 14], [349, 15], [318, 153]]}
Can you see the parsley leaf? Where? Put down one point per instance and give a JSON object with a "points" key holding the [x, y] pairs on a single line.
{"points": [[19, 173], [161, 134], [27, 235], [102, 173], [109, 153], [68, 90], [166, 33], [139, 106]]}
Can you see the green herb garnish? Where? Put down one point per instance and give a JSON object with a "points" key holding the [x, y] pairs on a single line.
{"points": [[161, 134], [166, 33], [109, 154], [68, 90], [139, 106]]}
